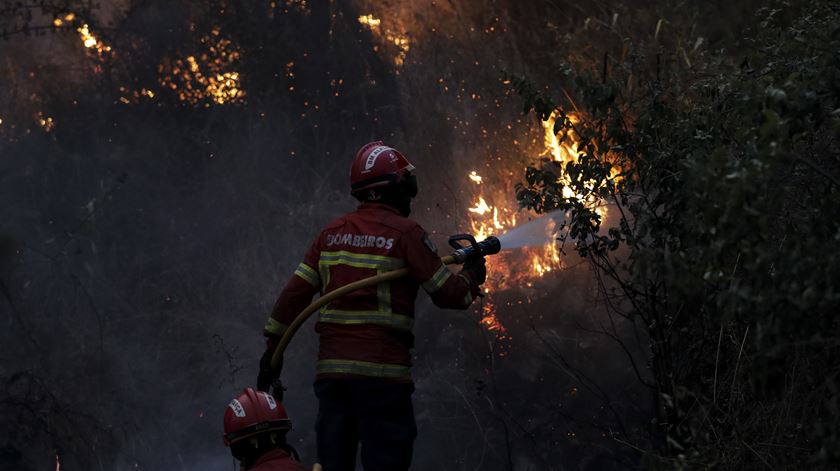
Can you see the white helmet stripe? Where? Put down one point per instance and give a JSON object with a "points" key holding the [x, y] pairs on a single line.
{"points": [[371, 160]]}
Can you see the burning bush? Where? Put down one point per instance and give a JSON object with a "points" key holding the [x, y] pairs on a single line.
{"points": [[729, 217]]}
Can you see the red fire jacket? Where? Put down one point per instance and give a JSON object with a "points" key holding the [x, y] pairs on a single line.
{"points": [[277, 460], [368, 333]]}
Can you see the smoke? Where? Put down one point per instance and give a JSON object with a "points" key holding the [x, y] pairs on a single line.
{"points": [[145, 244]]}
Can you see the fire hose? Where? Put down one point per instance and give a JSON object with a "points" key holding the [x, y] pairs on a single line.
{"points": [[462, 253]]}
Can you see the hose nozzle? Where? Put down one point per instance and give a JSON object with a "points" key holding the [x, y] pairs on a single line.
{"points": [[462, 253]]}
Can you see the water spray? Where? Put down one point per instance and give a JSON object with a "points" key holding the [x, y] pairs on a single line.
{"points": [[533, 233]]}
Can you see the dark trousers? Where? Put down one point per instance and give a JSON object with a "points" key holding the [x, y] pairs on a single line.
{"points": [[377, 413]]}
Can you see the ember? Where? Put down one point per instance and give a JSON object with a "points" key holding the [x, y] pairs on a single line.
{"points": [[46, 122], [398, 43], [206, 77], [89, 40]]}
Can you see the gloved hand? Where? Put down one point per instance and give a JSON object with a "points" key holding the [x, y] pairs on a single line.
{"points": [[268, 375], [476, 270]]}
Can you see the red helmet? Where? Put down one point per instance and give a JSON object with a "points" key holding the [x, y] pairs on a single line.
{"points": [[377, 165], [252, 413]]}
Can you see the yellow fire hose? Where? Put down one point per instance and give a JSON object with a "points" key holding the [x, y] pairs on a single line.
{"points": [[335, 294]]}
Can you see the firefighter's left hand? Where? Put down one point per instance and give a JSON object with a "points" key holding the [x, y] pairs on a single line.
{"points": [[267, 374]]}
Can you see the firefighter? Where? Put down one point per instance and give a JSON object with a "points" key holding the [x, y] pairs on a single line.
{"points": [[363, 380], [255, 430]]}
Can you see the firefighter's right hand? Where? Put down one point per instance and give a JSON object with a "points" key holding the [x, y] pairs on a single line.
{"points": [[267, 374], [476, 270]]}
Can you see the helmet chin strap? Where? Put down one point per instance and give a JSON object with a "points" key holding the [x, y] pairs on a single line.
{"points": [[373, 195], [397, 196]]}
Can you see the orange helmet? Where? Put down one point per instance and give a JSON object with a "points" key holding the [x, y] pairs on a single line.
{"points": [[377, 165], [253, 413]]}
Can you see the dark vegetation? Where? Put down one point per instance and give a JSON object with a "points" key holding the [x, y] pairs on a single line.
{"points": [[143, 238], [728, 198]]}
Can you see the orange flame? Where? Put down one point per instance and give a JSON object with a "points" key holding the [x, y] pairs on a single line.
{"points": [[495, 214]]}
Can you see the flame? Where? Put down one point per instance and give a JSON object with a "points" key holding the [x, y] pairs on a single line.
{"points": [[500, 214], [481, 207], [568, 150], [399, 43], [495, 213]]}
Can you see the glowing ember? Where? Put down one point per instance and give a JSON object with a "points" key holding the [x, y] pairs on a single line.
{"points": [[57, 463], [370, 21], [90, 41], [475, 177], [68, 18], [396, 42], [489, 319], [46, 122], [299, 5], [205, 77]]}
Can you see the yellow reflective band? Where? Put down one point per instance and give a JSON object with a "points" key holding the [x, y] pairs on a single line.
{"points": [[437, 280], [343, 257], [383, 295], [324, 270], [308, 274], [388, 319], [275, 328], [381, 264], [364, 368]]}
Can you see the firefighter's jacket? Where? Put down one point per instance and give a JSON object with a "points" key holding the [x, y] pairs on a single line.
{"points": [[368, 333], [277, 460]]}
